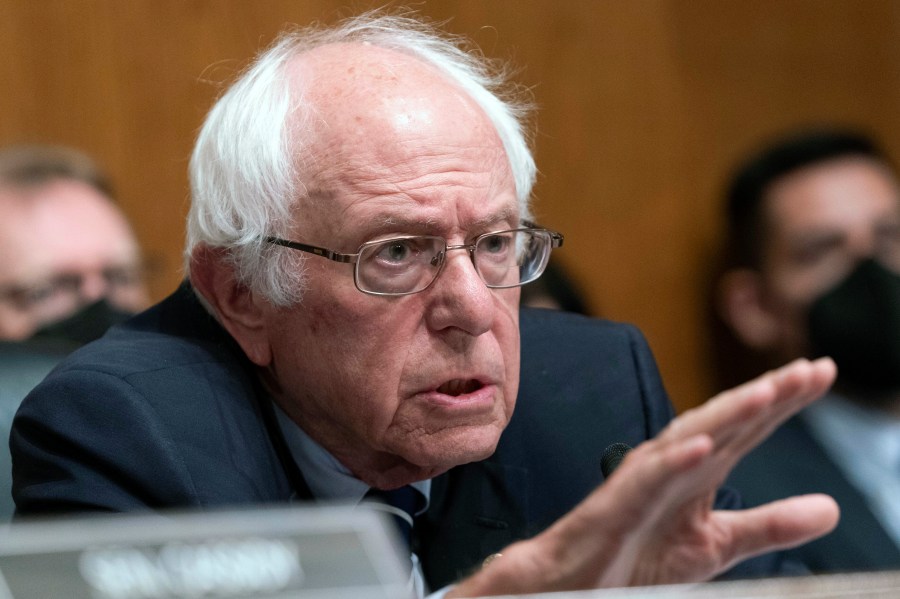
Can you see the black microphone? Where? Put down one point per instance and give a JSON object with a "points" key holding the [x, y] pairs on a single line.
{"points": [[612, 457]]}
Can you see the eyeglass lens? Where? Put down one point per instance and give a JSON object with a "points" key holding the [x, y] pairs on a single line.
{"points": [[407, 265], [399, 265]]}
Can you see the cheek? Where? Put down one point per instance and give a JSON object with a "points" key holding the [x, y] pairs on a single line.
{"points": [[794, 286], [14, 325], [510, 346], [360, 349], [508, 333], [366, 333], [824, 276], [786, 301]]}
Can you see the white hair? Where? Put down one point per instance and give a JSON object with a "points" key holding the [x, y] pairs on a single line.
{"points": [[245, 177]]}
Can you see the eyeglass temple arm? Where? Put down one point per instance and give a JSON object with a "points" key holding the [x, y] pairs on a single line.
{"points": [[312, 249], [556, 239]]}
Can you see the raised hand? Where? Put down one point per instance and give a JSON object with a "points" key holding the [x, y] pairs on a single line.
{"points": [[652, 522]]}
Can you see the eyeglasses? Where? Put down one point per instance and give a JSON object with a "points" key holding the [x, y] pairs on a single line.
{"points": [[410, 264]]}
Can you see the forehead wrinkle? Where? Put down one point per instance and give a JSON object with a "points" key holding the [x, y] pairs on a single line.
{"points": [[360, 181], [393, 200], [345, 155]]}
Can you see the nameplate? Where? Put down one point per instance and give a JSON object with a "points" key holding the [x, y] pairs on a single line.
{"points": [[336, 552]]}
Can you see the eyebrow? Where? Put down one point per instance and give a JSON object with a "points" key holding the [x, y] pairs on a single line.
{"points": [[401, 223], [505, 215]]}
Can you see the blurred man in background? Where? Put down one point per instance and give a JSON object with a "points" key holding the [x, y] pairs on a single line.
{"points": [[814, 230], [70, 267], [66, 246]]}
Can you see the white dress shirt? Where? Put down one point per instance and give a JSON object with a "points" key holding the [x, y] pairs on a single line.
{"points": [[331, 481], [865, 446]]}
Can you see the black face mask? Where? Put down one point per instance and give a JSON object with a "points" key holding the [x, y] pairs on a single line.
{"points": [[87, 324], [858, 324]]}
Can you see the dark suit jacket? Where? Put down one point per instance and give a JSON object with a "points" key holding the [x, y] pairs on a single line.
{"points": [[792, 462], [165, 412]]}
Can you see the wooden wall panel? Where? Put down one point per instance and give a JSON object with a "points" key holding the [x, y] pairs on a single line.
{"points": [[645, 106]]}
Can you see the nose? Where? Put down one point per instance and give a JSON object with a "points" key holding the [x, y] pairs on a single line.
{"points": [[862, 247], [459, 298], [93, 287]]}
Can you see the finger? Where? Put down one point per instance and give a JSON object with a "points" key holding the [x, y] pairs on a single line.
{"points": [[744, 413], [777, 525], [739, 419], [795, 388], [800, 383]]}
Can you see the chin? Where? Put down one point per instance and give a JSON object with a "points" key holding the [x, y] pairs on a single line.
{"points": [[457, 450]]}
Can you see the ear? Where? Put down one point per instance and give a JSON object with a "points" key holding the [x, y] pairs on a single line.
{"points": [[741, 304], [237, 308]]}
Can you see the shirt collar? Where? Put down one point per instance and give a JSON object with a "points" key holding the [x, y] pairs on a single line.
{"points": [[328, 479], [851, 431]]}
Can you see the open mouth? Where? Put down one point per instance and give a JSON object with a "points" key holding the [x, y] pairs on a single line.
{"points": [[458, 387]]}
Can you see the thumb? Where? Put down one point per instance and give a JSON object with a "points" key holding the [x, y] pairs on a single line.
{"points": [[779, 525]]}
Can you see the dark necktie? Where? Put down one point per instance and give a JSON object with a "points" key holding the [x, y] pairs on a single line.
{"points": [[402, 504]]}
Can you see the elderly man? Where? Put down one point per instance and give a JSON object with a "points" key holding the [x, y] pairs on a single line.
{"points": [[359, 230]]}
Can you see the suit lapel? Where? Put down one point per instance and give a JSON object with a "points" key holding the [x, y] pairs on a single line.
{"points": [[476, 510], [194, 320], [859, 533], [300, 490]]}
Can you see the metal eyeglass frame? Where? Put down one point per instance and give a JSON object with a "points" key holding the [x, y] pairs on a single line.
{"points": [[556, 240]]}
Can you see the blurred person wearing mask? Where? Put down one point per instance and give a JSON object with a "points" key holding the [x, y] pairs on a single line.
{"points": [[814, 230], [70, 268], [71, 263]]}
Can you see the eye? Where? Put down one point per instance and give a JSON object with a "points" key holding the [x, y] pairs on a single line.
{"points": [[396, 251], [814, 249], [404, 251], [38, 294], [494, 244]]}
